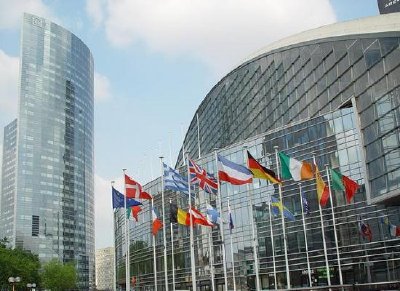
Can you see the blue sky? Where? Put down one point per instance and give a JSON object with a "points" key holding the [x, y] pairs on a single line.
{"points": [[155, 61]]}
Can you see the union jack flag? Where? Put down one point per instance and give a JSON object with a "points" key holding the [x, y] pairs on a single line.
{"points": [[206, 181]]}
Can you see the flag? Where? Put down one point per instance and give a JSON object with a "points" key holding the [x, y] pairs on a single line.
{"points": [[174, 181], [233, 173], [231, 225], [177, 215], [304, 202], [199, 218], [322, 188], [260, 171], [394, 230], [213, 215], [157, 224], [135, 212], [118, 200], [277, 208], [134, 189], [292, 168], [365, 230], [344, 183], [206, 181]]}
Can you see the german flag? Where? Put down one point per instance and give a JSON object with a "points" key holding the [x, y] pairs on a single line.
{"points": [[260, 171]]}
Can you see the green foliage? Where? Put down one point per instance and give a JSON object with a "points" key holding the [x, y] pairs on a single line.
{"points": [[18, 263], [57, 276]]}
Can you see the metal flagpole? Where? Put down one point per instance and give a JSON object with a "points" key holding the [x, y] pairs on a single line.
{"points": [[334, 227], [232, 257], [211, 255], [115, 245], [172, 251], [164, 228], [192, 254], [154, 252], [283, 221], [221, 225], [305, 235], [272, 244], [328, 273], [127, 267], [253, 233]]}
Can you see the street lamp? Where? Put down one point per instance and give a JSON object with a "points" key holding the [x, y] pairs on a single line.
{"points": [[14, 281], [31, 286]]}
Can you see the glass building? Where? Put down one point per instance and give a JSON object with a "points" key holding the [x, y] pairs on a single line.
{"points": [[47, 198], [333, 94]]}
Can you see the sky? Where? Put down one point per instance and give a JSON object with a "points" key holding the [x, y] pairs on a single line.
{"points": [[155, 61]]}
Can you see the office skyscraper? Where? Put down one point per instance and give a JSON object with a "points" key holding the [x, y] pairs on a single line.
{"points": [[47, 197]]}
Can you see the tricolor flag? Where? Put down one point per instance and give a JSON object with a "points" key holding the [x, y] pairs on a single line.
{"points": [[365, 230], [260, 171], [206, 181], [174, 181], [157, 224], [292, 168], [233, 173], [322, 188], [199, 218], [118, 200], [344, 183], [278, 207], [135, 212], [177, 215], [394, 230], [134, 189]]}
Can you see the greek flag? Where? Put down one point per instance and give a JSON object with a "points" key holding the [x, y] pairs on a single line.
{"points": [[174, 181]]}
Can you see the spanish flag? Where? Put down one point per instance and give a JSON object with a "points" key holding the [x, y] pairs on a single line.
{"points": [[260, 171]]}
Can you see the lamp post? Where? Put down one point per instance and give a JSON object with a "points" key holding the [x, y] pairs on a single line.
{"points": [[13, 281], [31, 286]]}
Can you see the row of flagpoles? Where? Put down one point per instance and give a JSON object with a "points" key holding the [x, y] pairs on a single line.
{"points": [[235, 174]]}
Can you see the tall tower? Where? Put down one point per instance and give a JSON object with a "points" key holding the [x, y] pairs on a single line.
{"points": [[51, 201]]}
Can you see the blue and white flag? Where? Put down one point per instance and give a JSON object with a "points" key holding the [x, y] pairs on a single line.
{"points": [[304, 201], [174, 181], [213, 215]]}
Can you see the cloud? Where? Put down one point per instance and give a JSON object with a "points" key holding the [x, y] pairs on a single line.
{"points": [[102, 87], [12, 11], [95, 11], [220, 33], [9, 68], [103, 211]]}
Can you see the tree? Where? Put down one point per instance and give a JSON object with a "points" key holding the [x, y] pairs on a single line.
{"points": [[57, 276], [18, 263]]}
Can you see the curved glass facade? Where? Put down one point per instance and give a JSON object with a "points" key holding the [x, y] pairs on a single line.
{"points": [[335, 98], [54, 198]]}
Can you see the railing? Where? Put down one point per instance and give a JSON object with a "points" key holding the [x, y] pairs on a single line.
{"points": [[383, 286]]}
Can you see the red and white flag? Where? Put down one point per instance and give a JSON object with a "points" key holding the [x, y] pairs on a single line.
{"points": [[134, 189], [199, 218], [157, 224]]}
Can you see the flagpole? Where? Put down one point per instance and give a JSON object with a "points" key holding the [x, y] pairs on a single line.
{"points": [[232, 257], [154, 253], [183, 146], [164, 228], [328, 273], [211, 251], [192, 254], [172, 250], [115, 256], [305, 235], [221, 225], [127, 267], [283, 221], [253, 233], [334, 227], [272, 244]]}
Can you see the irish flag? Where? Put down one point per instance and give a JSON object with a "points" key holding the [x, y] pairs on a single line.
{"points": [[322, 188], [292, 168], [157, 224], [343, 183]]}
